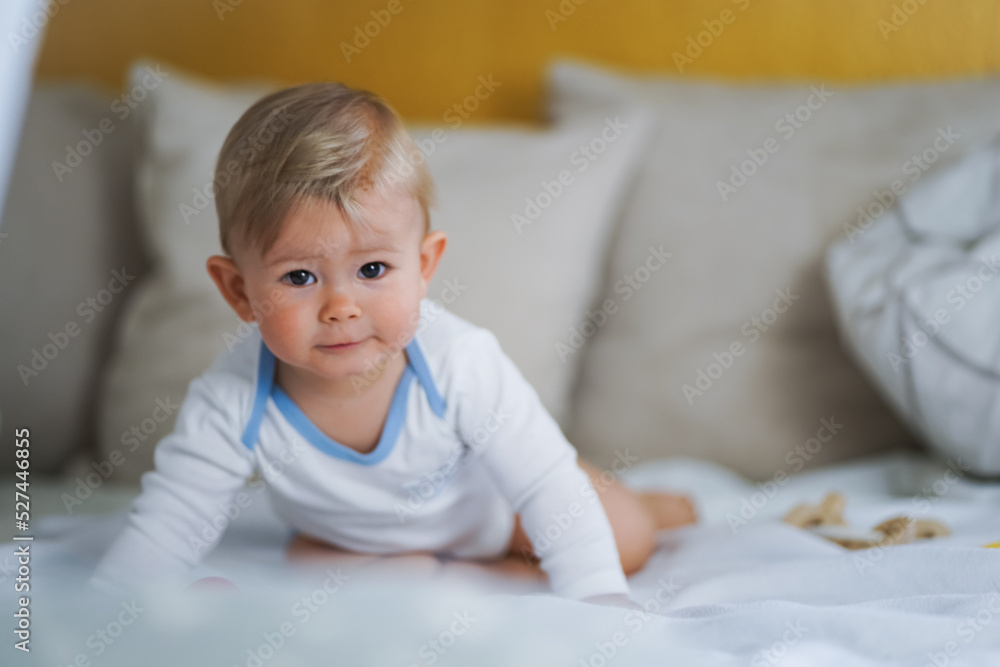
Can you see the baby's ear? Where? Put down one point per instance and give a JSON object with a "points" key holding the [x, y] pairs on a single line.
{"points": [[431, 249], [229, 280]]}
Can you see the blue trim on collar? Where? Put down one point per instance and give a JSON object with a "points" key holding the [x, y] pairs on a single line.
{"points": [[320, 440], [265, 376], [416, 368], [418, 362]]}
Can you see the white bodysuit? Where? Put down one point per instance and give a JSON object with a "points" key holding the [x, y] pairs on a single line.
{"points": [[467, 443]]}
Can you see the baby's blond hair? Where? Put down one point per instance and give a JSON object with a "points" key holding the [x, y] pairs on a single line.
{"points": [[323, 140]]}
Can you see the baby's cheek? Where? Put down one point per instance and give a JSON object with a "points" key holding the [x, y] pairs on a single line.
{"points": [[264, 303], [409, 320], [282, 328]]}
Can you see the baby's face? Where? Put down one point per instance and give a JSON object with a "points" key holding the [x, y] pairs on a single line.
{"points": [[330, 299]]}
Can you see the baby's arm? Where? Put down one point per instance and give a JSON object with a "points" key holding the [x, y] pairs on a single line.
{"points": [[535, 468], [179, 516]]}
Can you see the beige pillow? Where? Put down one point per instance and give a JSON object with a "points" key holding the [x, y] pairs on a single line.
{"points": [[730, 351], [525, 281]]}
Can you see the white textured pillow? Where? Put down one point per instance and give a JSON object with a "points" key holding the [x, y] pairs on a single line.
{"points": [[791, 398], [526, 282]]}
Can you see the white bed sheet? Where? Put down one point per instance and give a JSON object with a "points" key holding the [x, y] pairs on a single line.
{"points": [[762, 593]]}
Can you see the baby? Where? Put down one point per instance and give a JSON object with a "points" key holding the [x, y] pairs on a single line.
{"points": [[380, 423]]}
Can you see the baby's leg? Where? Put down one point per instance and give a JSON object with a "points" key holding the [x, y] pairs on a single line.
{"points": [[634, 519], [307, 550], [665, 510]]}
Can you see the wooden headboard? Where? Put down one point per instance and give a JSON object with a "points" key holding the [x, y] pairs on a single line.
{"points": [[426, 55]]}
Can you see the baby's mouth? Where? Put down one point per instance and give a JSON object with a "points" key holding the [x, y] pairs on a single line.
{"points": [[347, 345]]}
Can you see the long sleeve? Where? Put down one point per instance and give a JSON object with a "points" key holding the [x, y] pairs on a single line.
{"points": [[504, 422], [180, 514]]}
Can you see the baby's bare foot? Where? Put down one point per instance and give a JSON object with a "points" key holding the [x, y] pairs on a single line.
{"points": [[668, 510]]}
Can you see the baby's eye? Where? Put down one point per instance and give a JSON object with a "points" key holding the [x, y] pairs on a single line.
{"points": [[371, 270], [299, 277]]}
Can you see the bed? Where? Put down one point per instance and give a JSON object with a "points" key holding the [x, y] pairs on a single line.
{"points": [[722, 592]]}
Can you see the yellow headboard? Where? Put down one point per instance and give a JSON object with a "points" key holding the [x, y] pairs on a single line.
{"points": [[423, 56]]}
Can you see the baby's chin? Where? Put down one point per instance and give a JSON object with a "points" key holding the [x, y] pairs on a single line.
{"points": [[367, 358]]}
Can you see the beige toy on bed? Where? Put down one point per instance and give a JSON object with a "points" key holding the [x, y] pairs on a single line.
{"points": [[827, 520]]}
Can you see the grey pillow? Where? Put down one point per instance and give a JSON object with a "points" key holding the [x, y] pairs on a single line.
{"points": [[69, 233]]}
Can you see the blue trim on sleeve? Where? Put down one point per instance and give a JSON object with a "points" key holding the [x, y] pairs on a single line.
{"points": [[266, 387]]}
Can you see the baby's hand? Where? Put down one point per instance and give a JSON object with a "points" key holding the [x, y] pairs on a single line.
{"points": [[612, 600]]}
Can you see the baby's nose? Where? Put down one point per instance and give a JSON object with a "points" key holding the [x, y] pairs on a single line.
{"points": [[340, 304]]}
